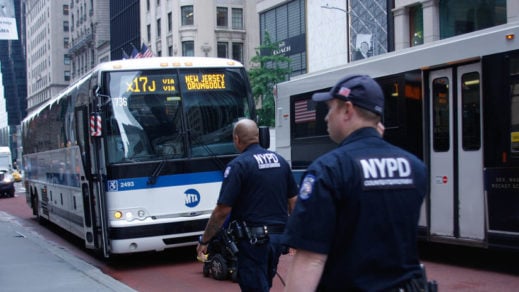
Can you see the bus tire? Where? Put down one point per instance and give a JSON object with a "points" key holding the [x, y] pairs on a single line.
{"points": [[36, 209], [34, 204]]}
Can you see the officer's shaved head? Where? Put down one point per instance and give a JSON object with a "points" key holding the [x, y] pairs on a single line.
{"points": [[247, 132]]}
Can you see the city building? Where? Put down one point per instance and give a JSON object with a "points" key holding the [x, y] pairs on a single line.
{"points": [[318, 35], [418, 22], [125, 32], [4, 128], [223, 28], [89, 35], [47, 47], [12, 59]]}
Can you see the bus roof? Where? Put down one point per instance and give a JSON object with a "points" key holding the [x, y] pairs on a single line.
{"points": [[167, 62]]}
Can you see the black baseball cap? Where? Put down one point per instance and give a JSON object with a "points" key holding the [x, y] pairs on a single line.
{"points": [[361, 90]]}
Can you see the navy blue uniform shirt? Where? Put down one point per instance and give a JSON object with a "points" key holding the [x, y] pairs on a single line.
{"points": [[360, 204], [257, 185]]}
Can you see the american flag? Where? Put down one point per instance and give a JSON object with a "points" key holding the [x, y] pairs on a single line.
{"points": [[304, 111], [135, 54], [146, 52]]}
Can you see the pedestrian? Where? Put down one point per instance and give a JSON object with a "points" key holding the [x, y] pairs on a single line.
{"points": [[258, 191], [355, 221]]}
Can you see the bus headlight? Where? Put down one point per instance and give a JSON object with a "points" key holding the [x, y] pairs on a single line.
{"points": [[118, 214], [130, 215]]}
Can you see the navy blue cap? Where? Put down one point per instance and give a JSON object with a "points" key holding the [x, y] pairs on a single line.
{"points": [[361, 90]]}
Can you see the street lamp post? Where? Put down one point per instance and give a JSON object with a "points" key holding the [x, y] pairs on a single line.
{"points": [[326, 6]]}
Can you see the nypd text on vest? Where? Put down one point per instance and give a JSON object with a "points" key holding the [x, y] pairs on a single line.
{"points": [[386, 172], [267, 160]]}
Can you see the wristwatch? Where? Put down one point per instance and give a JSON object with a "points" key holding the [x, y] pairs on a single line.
{"points": [[202, 242]]}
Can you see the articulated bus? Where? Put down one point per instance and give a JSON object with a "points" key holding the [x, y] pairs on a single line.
{"points": [[130, 157], [455, 104]]}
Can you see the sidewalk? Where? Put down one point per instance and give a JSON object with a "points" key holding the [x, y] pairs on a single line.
{"points": [[30, 263]]}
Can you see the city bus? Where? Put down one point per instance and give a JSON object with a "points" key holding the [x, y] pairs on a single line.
{"points": [[455, 104], [130, 158]]}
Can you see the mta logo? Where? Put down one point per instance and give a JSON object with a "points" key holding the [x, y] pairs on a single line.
{"points": [[192, 198]]}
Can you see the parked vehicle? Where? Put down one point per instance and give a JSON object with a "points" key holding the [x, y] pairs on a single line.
{"points": [[6, 183]]}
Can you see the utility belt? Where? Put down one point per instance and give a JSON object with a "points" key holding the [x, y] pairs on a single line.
{"points": [[256, 235], [419, 284]]}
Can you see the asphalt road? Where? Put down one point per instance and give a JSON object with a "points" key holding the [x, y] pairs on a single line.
{"points": [[455, 268]]}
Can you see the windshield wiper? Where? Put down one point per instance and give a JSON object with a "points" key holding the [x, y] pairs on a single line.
{"points": [[156, 172]]}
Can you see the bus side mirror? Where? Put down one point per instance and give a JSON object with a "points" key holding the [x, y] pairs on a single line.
{"points": [[264, 137]]}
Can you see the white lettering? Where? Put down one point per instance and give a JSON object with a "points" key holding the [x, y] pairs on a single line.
{"points": [[368, 168], [190, 198], [267, 160], [388, 182], [381, 165], [392, 167], [375, 168], [403, 167]]}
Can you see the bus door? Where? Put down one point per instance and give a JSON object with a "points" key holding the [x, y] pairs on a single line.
{"points": [[94, 217], [457, 208]]}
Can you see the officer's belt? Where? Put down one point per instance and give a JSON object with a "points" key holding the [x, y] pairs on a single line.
{"points": [[268, 229]]}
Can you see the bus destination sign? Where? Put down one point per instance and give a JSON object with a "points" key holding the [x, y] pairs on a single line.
{"points": [[168, 84]]}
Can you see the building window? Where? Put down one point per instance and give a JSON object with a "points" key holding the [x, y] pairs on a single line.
{"points": [[148, 32], [464, 16], [416, 25], [237, 18], [170, 51], [65, 10], [65, 25], [66, 59], [92, 58], [221, 50], [188, 48], [187, 15], [147, 5], [67, 75], [158, 27], [286, 24], [170, 22], [221, 16], [66, 42], [237, 52]]}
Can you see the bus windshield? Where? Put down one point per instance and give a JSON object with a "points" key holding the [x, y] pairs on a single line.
{"points": [[168, 114]]}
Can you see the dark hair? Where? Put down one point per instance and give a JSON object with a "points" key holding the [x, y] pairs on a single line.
{"points": [[367, 114]]}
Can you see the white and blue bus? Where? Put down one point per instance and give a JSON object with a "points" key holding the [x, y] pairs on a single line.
{"points": [[130, 157], [455, 104]]}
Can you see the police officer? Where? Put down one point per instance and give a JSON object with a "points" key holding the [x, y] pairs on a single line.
{"points": [[258, 190], [355, 221]]}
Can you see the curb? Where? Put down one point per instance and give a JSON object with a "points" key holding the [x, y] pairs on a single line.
{"points": [[87, 269]]}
